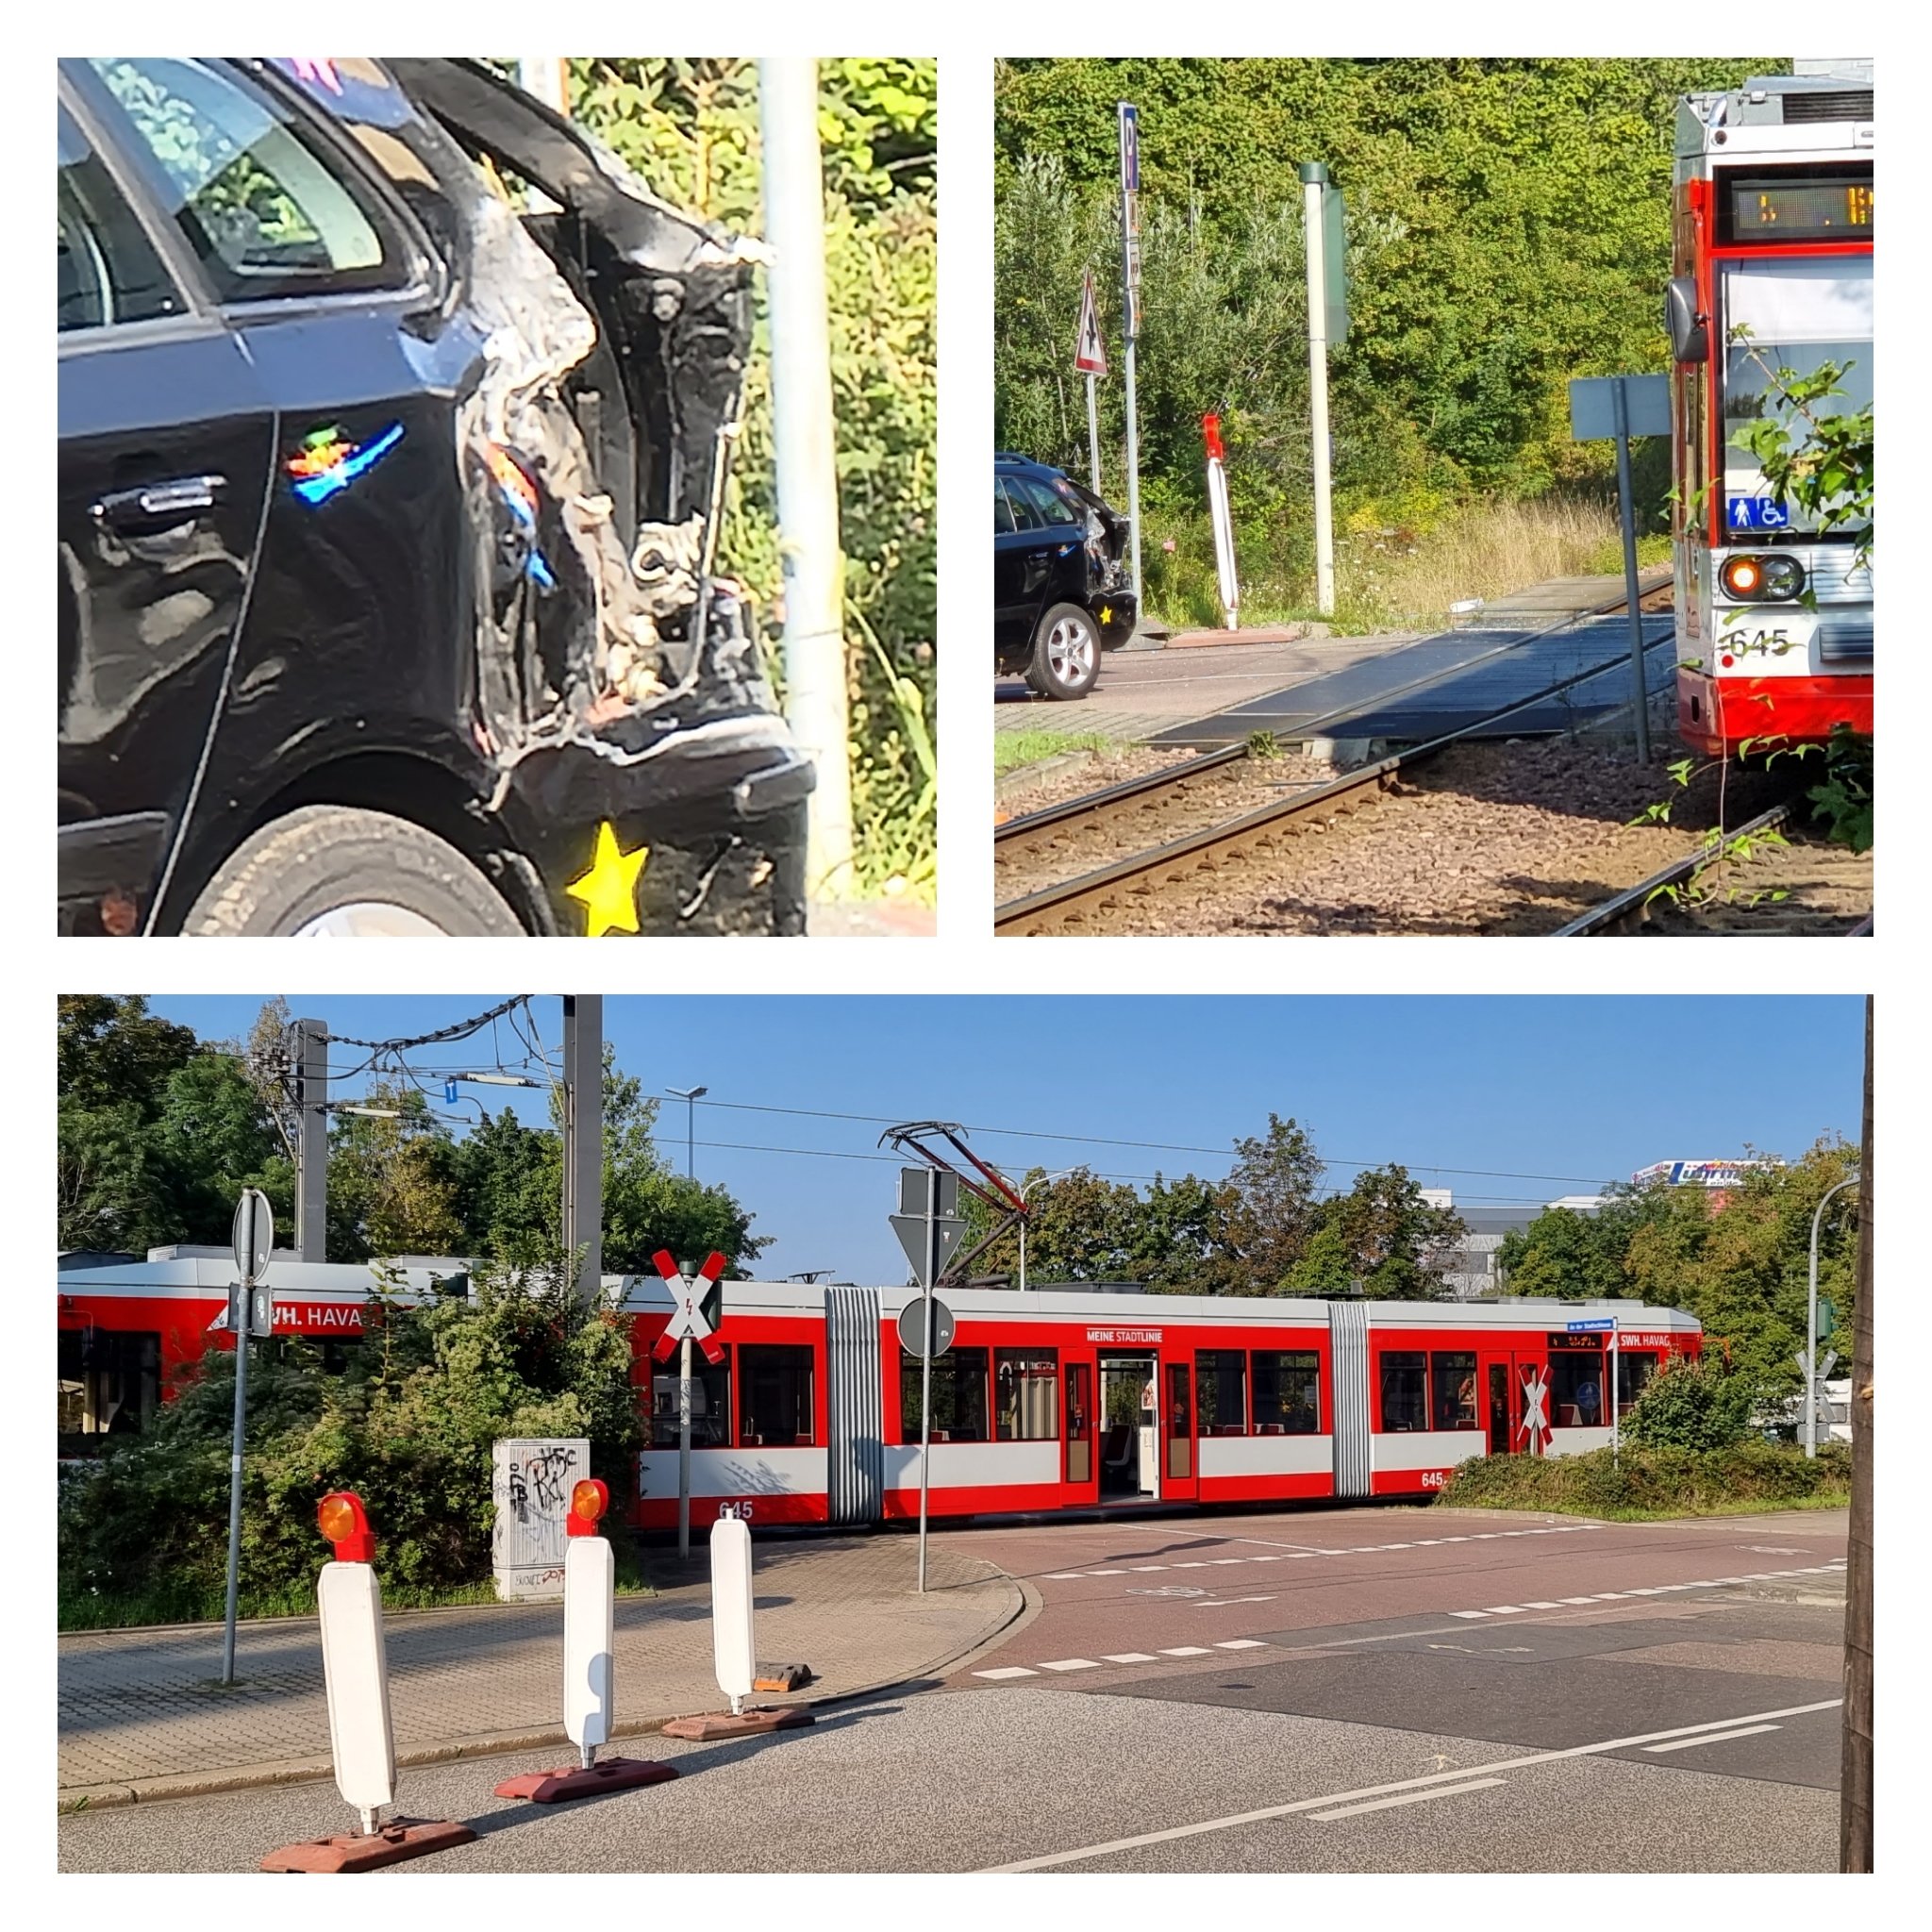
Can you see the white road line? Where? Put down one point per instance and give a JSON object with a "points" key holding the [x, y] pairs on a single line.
{"points": [[1721, 1738], [1469, 1613], [1128, 1656], [1214, 1561], [1481, 1784], [1103, 1573], [1329, 1800], [1187, 1650], [1576, 1599], [1072, 1663], [1184, 1566], [1529, 1604], [1241, 1643], [1142, 1568], [1220, 1603], [1008, 1671], [1504, 1610], [1063, 1576]]}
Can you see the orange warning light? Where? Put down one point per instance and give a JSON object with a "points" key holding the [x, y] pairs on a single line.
{"points": [[588, 1502], [346, 1523]]}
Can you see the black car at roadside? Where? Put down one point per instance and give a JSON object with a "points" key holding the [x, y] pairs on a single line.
{"points": [[1061, 588], [388, 594]]}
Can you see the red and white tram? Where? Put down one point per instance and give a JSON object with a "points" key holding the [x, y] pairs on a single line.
{"points": [[1773, 270], [1060, 1399]]}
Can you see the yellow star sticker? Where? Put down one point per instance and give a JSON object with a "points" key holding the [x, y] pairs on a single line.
{"points": [[608, 892]]}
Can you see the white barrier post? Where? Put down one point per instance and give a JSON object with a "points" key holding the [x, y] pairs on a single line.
{"points": [[355, 1670], [590, 1665], [734, 1648]]}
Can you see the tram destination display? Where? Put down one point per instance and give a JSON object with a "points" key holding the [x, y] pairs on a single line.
{"points": [[1798, 207]]}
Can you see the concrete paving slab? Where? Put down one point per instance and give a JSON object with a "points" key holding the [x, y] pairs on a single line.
{"points": [[140, 1714]]}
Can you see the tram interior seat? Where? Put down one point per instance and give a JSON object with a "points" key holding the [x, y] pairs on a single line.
{"points": [[1271, 1429], [1119, 1446]]}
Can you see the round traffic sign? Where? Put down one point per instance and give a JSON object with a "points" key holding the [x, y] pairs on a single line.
{"points": [[912, 1327]]}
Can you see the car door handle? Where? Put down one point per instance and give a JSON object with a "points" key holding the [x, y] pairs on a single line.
{"points": [[159, 506]]}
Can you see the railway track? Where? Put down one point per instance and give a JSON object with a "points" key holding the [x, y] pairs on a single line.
{"points": [[1184, 810], [1827, 889]]}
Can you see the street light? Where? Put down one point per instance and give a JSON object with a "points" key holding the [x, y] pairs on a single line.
{"points": [[1811, 1324], [1035, 1182], [690, 1096]]}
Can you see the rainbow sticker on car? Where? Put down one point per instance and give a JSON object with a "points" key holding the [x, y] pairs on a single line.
{"points": [[328, 461]]}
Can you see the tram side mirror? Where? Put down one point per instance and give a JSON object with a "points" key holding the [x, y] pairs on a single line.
{"points": [[1689, 334]]}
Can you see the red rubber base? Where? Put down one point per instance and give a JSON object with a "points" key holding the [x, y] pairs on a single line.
{"points": [[354, 1851], [573, 1781], [750, 1723]]}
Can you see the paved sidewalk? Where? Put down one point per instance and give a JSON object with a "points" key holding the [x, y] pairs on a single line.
{"points": [[140, 1715]]}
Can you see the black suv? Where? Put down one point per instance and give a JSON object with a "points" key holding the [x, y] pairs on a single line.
{"points": [[388, 515], [1061, 589]]}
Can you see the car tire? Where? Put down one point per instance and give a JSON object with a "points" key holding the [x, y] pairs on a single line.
{"points": [[332, 872], [1066, 654]]}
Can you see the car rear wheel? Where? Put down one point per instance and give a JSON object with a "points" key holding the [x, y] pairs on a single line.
{"points": [[330, 872], [1066, 654]]}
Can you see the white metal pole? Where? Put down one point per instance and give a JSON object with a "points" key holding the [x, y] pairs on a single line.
{"points": [[1092, 434], [239, 1321], [1131, 293], [806, 469], [1314, 181], [684, 1448], [932, 1269], [1812, 1391], [1615, 1445]]}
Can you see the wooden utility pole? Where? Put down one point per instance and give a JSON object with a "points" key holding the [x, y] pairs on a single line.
{"points": [[1855, 1770]]}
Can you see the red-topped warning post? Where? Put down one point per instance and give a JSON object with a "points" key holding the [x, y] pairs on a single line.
{"points": [[734, 1646], [699, 1308], [355, 1668], [589, 1642]]}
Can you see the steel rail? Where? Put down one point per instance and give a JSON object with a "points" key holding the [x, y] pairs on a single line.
{"points": [[1055, 905], [1622, 906], [1032, 822]]}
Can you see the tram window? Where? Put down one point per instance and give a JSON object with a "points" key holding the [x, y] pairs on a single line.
{"points": [[1288, 1393], [774, 1397], [1024, 1380], [1455, 1380], [710, 1407], [958, 1396], [1404, 1391], [1576, 1391], [1633, 1370], [109, 1383], [1220, 1391]]}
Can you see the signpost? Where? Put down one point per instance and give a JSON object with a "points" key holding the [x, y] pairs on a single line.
{"points": [[699, 1308], [1622, 406], [1321, 232], [1089, 358], [1223, 522], [1130, 117], [928, 1230], [252, 1313]]}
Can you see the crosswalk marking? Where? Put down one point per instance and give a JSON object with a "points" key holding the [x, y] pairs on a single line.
{"points": [[1007, 1671], [1128, 1656], [1071, 1663], [1240, 1643], [1187, 1650]]}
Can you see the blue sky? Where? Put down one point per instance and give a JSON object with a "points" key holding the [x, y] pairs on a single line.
{"points": [[1550, 1095]]}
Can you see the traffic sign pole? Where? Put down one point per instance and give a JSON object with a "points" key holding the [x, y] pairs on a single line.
{"points": [[684, 1450], [1130, 117], [931, 1272], [1314, 183], [1640, 697], [1089, 358], [255, 1234]]}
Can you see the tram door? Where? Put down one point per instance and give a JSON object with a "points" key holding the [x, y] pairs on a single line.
{"points": [[1080, 1433], [1178, 1429], [1129, 1428], [1516, 1402]]}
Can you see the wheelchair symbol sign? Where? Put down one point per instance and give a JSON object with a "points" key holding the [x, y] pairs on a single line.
{"points": [[1758, 514]]}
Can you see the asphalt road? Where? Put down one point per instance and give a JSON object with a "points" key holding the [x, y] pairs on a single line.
{"points": [[1359, 1691]]}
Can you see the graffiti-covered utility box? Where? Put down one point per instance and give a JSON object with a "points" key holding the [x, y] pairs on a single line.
{"points": [[530, 1485]]}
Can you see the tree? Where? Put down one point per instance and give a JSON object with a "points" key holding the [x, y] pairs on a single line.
{"points": [[1381, 1238], [392, 1182], [1274, 1212]]}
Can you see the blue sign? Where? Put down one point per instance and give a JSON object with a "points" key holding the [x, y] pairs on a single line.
{"points": [[1130, 147], [1756, 513], [449, 1092], [1589, 1327]]}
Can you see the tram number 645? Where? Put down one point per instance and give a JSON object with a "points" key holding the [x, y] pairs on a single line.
{"points": [[741, 1510], [1435, 1479]]}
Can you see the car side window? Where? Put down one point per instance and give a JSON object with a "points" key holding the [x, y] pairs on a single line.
{"points": [[1051, 506], [1025, 515], [108, 269], [1002, 511], [266, 212]]}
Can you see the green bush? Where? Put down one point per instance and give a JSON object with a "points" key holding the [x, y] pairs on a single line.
{"points": [[1693, 1405], [407, 1424], [1643, 1481]]}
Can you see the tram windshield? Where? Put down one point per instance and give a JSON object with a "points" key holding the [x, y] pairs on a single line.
{"points": [[1796, 314]]}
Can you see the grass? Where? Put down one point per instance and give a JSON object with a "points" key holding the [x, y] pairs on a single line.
{"points": [[1012, 749], [1391, 578]]}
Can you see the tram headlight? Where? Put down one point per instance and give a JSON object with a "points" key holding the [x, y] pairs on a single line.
{"points": [[1762, 580]]}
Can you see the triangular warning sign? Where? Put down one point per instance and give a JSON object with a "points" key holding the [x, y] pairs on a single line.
{"points": [[1090, 357]]}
